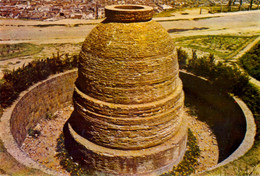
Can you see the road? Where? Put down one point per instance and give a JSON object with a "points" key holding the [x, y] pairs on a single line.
{"points": [[17, 31]]}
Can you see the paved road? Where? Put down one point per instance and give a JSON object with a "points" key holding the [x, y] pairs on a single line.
{"points": [[229, 23], [226, 23]]}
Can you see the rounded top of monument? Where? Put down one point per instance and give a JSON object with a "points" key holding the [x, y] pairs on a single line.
{"points": [[128, 13]]}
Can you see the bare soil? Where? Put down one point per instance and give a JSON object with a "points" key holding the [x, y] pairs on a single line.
{"points": [[43, 148]]}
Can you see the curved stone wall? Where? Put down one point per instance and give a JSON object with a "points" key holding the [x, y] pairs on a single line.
{"points": [[44, 97], [229, 117], [56, 90]]}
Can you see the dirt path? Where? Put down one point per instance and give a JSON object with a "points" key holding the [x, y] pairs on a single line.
{"points": [[247, 48]]}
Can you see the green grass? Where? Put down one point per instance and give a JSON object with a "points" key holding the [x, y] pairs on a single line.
{"points": [[246, 165], [251, 61], [8, 51], [224, 46], [190, 159], [185, 167], [249, 164]]}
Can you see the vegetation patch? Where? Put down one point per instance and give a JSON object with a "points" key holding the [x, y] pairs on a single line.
{"points": [[224, 46], [21, 79], [8, 51], [229, 79], [186, 166], [251, 61], [66, 161], [190, 160]]}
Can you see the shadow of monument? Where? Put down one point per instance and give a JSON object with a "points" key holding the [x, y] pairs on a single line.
{"points": [[218, 110]]}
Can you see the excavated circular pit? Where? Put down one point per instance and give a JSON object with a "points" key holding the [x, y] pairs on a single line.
{"points": [[56, 93]]}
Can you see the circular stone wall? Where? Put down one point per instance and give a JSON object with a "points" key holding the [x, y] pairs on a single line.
{"points": [[56, 92], [45, 97]]}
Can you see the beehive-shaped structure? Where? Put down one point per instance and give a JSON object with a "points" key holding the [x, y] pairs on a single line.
{"points": [[128, 97]]}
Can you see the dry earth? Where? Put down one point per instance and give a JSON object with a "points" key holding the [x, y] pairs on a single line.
{"points": [[43, 148]]}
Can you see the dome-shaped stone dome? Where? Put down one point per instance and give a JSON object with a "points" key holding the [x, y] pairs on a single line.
{"points": [[128, 96]]}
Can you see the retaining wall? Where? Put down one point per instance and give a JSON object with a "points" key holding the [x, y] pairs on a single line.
{"points": [[233, 120], [33, 105]]}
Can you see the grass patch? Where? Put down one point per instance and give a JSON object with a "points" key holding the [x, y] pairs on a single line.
{"points": [[230, 79], [246, 165], [224, 46], [8, 51], [190, 159], [185, 167], [251, 61], [66, 161]]}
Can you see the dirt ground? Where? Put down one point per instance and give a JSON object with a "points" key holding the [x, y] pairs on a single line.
{"points": [[43, 148]]}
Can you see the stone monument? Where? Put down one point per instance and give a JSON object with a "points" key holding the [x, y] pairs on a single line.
{"points": [[128, 97]]}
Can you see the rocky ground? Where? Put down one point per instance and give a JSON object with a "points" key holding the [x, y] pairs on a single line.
{"points": [[43, 147]]}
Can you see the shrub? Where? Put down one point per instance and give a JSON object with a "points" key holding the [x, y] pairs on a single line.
{"points": [[226, 77], [182, 57], [251, 61], [19, 80], [230, 79]]}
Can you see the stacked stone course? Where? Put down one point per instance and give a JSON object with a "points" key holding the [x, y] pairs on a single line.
{"points": [[34, 104], [128, 98]]}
